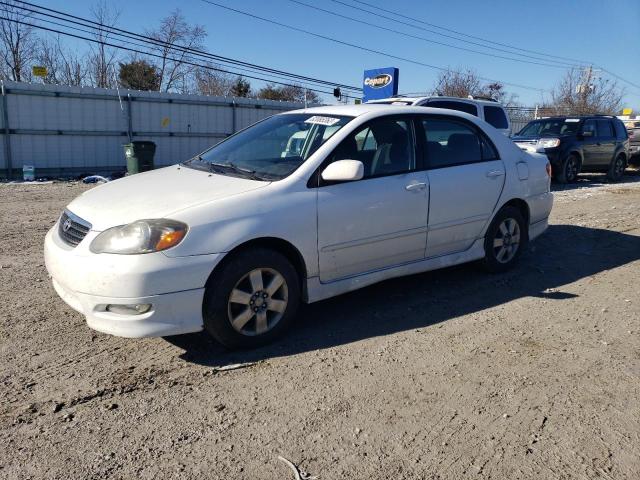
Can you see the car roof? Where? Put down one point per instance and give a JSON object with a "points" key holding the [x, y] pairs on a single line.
{"points": [[580, 117], [437, 97], [365, 108]]}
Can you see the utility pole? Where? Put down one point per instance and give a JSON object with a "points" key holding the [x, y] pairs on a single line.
{"points": [[586, 87]]}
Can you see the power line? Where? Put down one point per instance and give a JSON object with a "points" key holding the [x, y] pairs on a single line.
{"points": [[236, 68], [360, 47], [620, 78], [416, 20], [578, 64], [364, 22], [131, 35], [93, 40]]}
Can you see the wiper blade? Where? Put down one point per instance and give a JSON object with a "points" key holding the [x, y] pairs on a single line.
{"points": [[242, 171]]}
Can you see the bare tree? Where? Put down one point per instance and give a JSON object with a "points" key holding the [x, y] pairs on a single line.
{"points": [[103, 60], [64, 66], [462, 83], [581, 92], [212, 82], [18, 42], [174, 32], [457, 83], [496, 91]]}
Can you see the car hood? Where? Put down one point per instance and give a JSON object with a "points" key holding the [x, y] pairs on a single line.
{"points": [[156, 194]]}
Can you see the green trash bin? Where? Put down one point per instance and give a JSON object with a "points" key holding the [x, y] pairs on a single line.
{"points": [[139, 156]]}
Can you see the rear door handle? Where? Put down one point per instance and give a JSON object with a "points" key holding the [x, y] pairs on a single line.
{"points": [[415, 186], [495, 173]]}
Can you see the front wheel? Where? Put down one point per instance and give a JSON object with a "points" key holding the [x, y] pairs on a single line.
{"points": [[569, 170], [505, 240], [252, 299], [616, 168]]}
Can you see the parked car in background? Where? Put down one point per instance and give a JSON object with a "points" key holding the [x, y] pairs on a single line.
{"points": [[595, 143], [485, 108], [633, 129], [234, 239]]}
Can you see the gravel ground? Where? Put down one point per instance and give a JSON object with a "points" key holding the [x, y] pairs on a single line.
{"points": [[450, 374]]}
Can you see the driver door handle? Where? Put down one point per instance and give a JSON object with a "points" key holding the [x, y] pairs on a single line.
{"points": [[415, 186]]}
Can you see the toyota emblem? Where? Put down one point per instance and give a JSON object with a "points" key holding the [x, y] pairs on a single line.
{"points": [[66, 225]]}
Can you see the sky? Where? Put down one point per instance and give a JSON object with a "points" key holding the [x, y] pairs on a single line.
{"points": [[605, 33]]}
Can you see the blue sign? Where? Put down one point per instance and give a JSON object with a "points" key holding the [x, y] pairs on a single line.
{"points": [[380, 83]]}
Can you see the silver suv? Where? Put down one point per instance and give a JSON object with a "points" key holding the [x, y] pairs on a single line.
{"points": [[485, 108]]}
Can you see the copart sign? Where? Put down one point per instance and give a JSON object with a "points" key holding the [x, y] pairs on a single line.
{"points": [[380, 83]]}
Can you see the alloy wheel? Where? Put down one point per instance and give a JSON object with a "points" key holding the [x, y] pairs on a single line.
{"points": [[619, 167], [258, 301], [507, 240], [572, 169]]}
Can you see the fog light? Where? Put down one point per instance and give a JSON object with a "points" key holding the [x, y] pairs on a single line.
{"points": [[136, 309]]}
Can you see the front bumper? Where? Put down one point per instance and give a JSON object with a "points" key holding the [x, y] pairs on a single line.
{"points": [[555, 157], [88, 282]]}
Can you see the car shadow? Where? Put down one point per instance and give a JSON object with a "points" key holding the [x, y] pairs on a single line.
{"points": [[585, 180], [563, 255]]}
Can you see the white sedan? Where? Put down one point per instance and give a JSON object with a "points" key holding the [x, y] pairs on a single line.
{"points": [[301, 206]]}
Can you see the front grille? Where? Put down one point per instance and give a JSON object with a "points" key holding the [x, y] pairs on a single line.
{"points": [[72, 229]]}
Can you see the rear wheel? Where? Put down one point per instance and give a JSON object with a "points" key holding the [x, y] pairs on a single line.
{"points": [[252, 299], [505, 240], [570, 168], [616, 168]]}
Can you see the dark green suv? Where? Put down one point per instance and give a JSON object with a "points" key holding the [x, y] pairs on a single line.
{"points": [[595, 143]]}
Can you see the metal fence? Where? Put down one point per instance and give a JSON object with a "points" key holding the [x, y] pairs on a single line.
{"points": [[520, 116], [65, 131]]}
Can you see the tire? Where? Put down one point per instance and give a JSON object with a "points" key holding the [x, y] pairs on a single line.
{"points": [[245, 309], [616, 168], [498, 257], [570, 169]]}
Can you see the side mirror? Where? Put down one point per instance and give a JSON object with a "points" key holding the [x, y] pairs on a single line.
{"points": [[587, 133], [343, 171]]}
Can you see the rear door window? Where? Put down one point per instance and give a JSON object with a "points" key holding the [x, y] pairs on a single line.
{"points": [[621, 132], [449, 143], [453, 105], [604, 128], [495, 116], [590, 126]]}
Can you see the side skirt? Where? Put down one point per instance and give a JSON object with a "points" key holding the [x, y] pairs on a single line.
{"points": [[320, 291]]}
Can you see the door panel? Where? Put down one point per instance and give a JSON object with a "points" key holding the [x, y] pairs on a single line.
{"points": [[466, 177], [590, 147], [606, 141], [371, 224], [462, 199]]}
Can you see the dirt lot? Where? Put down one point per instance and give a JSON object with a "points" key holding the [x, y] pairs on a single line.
{"points": [[451, 374]]}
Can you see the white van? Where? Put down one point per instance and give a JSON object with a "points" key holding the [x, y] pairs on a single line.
{"points": [[485, 108]]}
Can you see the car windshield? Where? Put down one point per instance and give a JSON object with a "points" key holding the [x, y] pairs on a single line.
{"points": [[272, 148], [550, 127]]}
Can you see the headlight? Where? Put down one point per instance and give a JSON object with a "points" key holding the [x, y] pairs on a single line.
{"points": [[548, 142], [142, 236]]}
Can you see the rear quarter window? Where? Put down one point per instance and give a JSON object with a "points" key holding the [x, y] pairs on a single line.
{"points": [[495, 116], [621, 131]]}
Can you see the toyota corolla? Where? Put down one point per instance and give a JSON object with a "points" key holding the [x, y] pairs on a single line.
{"points": [[299, 207]]}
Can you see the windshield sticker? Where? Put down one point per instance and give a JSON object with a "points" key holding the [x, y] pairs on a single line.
{"points": [[570, 120], [318, 120]]}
